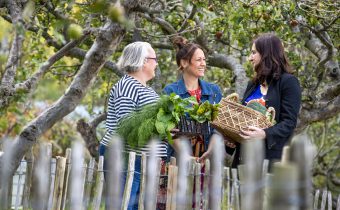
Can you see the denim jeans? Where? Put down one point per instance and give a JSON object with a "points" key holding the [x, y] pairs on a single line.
{"points": [[134, 196]]}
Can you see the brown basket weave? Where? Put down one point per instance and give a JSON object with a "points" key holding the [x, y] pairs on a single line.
{"points": [[232, 117]]}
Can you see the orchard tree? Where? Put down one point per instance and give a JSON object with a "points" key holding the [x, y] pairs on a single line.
{"points": [[86, 36]]}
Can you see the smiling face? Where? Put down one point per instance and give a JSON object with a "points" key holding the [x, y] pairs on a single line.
{"points": [[197, 64], [255, 56]]}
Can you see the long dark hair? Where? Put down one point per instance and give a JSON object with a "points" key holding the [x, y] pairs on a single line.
{"points": [[273, 61], [184, 49]]}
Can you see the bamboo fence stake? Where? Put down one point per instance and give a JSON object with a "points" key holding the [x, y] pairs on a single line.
{"points": [[99, 183], [58, 183]]}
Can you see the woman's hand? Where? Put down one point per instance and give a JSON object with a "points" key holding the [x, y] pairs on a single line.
{"points": [[229, 143], [253, 133]]}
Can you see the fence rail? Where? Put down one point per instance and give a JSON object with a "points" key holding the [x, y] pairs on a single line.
{"points": [[71, 182]]}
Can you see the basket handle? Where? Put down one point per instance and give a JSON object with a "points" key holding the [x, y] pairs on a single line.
{"points": [[234, 97], [270, 114]]}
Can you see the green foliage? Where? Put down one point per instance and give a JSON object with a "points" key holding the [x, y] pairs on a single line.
{"points": [[157, 120]]}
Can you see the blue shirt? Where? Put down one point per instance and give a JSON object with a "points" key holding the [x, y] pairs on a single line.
{"points": [[210, 92]]}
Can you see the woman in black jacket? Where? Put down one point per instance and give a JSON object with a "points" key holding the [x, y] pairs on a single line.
{"points": [[274, 86]]}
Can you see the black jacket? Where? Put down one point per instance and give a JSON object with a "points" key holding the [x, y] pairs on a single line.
{"points": [[284, 95]]}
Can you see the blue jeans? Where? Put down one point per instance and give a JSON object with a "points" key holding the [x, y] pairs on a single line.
{"points": [[134, 196]]}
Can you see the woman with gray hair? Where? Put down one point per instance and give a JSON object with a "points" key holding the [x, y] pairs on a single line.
{"points": [[130, 94]]}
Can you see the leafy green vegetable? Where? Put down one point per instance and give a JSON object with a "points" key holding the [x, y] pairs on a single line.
{"points": [[157, 120]]}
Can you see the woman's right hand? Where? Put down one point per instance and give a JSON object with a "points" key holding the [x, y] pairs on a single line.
{"points": [[229, 143]]}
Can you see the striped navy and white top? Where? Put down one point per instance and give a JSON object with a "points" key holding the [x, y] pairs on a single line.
{"points": [[126, 96]]}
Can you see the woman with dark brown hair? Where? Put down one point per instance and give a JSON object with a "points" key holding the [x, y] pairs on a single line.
{"points": [[191, 63], [273, 86]]}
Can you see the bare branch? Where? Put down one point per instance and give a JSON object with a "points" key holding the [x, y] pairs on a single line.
{"points": [[320, 111], [190, 16], [6, 86], [88, 132], [229, 62], [30, 83], [161, 22], [148, 10]]}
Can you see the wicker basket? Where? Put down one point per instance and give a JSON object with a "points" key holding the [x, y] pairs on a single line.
{"points": [[233, 116]]}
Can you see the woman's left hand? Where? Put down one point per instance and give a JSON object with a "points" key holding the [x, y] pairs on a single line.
{"points": [[253, 133]]}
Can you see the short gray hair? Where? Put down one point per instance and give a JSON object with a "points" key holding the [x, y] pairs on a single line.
{"points": [[133, 56]]}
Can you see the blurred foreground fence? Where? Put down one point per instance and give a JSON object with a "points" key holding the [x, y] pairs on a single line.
{"points": [[71, 182]]}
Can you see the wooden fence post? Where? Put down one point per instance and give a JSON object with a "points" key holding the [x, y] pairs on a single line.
{"points": [[338, 203], [182, 181], [114, 185], [42, 178], [302, 153], [216, 172], [226, 189], [77, 176], [20, 173], [59, 183], [52, 180], [284, 187], [329, 200], [252, 183], [235, 194], [316, 200], [142, 182], [66, 179], [172, 185], [26, 196], [190, 183], [89, 182], [197, 186], [5, 177], [323, 199], [206, 183], [99, 183], [152, 177], [129, 179]]}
